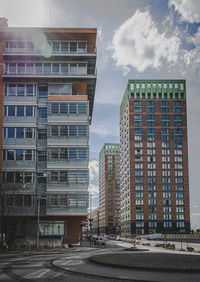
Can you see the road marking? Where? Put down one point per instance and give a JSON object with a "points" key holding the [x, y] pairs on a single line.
{"points": [[31, 275], [4, 277], [42, 274], [56, 275]]}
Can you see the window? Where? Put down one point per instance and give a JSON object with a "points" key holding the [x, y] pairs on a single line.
{"points": [[29, 90], [47, 68], [82, 130], [43, 91], [72, 153], [19, 155], [29, 111], [54, 153], [11, 132], [82, 108], [63, 108], [63, 130], [64, 47], [28, 155], [29, 68], [20, 90], [72, 130], [55, 68], [73, 47], [54, 108], [10, 155], [55, 47], [21, 68], [72, 108], [20, 111], [19, 132], [42, 112], [28, 132], [11, 111], [138, 123]]}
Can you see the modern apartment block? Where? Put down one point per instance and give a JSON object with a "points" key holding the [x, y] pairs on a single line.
{"points": [[109, 189], [47, 87], [154, 186]]}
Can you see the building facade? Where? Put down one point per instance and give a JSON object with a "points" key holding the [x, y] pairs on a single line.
{"points": [[109, 189], [94, 216], [48, 78], [154, 185]]}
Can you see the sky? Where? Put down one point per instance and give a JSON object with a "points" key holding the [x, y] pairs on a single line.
{"points": [[137, 39]]}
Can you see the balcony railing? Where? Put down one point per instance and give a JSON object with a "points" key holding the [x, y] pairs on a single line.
{"points": [[51, 48], [47, 69]]}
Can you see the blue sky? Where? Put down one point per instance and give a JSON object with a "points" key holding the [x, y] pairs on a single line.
{"points": [[136, 39]]}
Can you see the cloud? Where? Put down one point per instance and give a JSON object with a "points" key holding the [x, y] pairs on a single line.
{"points": [[141, 44], [94, 182], [189, 10], [138, 43], [195, 221]]}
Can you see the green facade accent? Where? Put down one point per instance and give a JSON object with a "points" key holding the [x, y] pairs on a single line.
{"points": [[154, 89], [109, 148]]}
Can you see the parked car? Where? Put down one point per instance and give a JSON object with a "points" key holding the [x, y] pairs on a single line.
{"points": [[100, 241], [112, 236]]}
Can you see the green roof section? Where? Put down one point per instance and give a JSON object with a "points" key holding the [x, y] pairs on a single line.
{"points": [[153, 89], [109, 148]]}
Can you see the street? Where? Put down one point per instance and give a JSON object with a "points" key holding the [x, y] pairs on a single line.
{"points": [[73, 265]]}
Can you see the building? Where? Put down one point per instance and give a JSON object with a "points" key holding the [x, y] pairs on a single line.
{"points": [[47, 87], [154, 185], [109, 190]]}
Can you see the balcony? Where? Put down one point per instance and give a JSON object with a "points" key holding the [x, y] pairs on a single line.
{"points": [[43, 69], [65, 163], [68, 210], [56, 48], [66, 187], [19, 211], [19, 141], [19, 164], [18, 119], [62, 140], [67, 117]]}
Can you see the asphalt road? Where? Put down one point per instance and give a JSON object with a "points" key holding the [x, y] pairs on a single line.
{"points": [[73, 265]]}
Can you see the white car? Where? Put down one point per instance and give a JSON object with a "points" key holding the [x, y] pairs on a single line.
{"points": [[100, 241]]}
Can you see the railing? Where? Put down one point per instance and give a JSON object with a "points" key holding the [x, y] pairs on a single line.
{"points": [[38, 69], [90, 50], [19, 164]]}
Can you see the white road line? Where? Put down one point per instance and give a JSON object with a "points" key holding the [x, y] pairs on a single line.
{"points": [[32, 274], [4, 277], [42, 274], [56, 275]]}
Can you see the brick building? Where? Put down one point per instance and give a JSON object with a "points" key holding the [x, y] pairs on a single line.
{"points": [[154, 185], [109, 190], [47, 87]]}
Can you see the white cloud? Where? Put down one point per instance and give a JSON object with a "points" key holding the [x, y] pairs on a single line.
{"points": [[94, 182], [188, 9], [106, 129], [138, 43], [195, 221]]}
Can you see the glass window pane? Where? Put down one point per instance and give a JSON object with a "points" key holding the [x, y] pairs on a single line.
{"points": [[28, 155], [11, 111], [12, 90], [63, 130], [64, 68], [29, 111], [19, 155], [55, 68], [64, 47], [28, 132], [19, 177], [73, 47], [38, 68], [64, 153], [54, 108], [64, 108], [29, 90], [29, 68], [20, 111], [82, 108], [12, 68], [72, 153], [42, 112], [72, 108], [10, 177], [10, 155], [81, 47], [47, 68], [72, 130], [56, 47], [19, 132], [82, 131], [43, 91], [21, 68], [20, 90], [11, 132]]}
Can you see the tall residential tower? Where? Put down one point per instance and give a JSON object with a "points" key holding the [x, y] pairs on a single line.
{"points": [[48, 78], [109, 190], [154, 186]]}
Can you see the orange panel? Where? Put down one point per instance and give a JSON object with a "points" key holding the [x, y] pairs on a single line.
{"points": [[70, 98]]}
